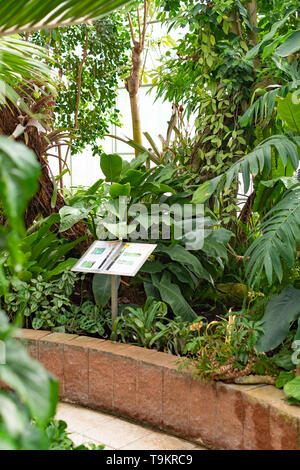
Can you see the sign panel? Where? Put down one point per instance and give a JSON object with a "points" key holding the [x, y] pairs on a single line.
{"points": [[114, 257]]}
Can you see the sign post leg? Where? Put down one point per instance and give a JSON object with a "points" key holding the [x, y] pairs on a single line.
{"points": [[114, 299]]}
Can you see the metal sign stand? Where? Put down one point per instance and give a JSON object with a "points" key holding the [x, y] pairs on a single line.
{"points": [[114, 299]]}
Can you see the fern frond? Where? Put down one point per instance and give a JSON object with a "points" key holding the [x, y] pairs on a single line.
{"points": [[279, 234]]}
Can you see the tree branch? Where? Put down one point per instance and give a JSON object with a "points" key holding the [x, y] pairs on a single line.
{"points": [[79, 79], [131, 29]]}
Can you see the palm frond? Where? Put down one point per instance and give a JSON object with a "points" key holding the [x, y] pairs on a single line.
{"points": [[262, 109], [279, 234], [22, 16], [260, 159], [22, 68]]}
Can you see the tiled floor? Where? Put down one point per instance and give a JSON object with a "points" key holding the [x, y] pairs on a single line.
{"points": [[87, 425]]}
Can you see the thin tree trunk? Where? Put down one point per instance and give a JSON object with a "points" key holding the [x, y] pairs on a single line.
{"points": [[252, 9], [79, 79], [63, 164], [136, 120], [133, 82]]}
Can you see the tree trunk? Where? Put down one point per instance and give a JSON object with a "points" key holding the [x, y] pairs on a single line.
{"points": [[136, 120], [41, 203], [133, 82], [252, 9]]}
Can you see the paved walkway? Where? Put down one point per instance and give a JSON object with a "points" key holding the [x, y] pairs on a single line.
{"points": [[85, 425]]}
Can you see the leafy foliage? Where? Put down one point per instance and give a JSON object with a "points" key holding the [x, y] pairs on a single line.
{"points": [[292, 388], [224, 349], [48, 305], [260, 159], [157, 189], [19, 171], [150, 327], [281, 233], [59, 440], [89, 60], [30, 16], [45, 253], [276, 325], [26, 410], [23, 68]]}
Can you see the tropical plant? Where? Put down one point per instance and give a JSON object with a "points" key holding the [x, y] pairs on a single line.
{"points": [[27, 408], [45, 253], [283, 330], [19, 171], [123, 207], [23, 68], [276, 326], [150, 327], [280, 226], [28, 16], [86, 100], [59, 439], [225, 349], [138, 325], [223, 64], [33, 127], [51, 305]]}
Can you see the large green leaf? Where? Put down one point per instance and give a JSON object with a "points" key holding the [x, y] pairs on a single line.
{"points": [[117, 190], [277, 239], [268, 193], [70, 215], [134, 177], [55, 254], [102, 288], [206, 190], [19, 172], [30, 381], [292, 388], [14, 419], [262, 108], [288, 110], [32, 15], [267, 37], [111, 165], [215, 242], [181, 255], [290, 46], [280, 312], [20, 62], [171, 294], [60, 268], [16, 430]]}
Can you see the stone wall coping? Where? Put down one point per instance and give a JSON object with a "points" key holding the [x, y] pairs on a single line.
{"points": [[145, 385]]}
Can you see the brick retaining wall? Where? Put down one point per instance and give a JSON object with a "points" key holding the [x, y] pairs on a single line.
{"points": [[144, 385]]}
